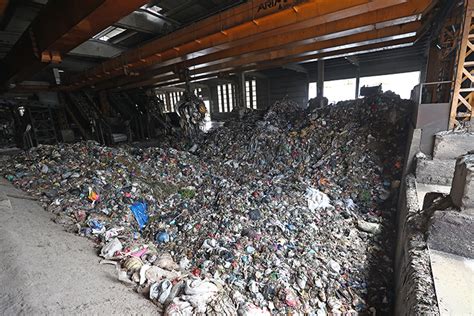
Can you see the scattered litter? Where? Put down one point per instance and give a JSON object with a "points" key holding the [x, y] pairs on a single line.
{"points": [[373, 228], [109, 250]]}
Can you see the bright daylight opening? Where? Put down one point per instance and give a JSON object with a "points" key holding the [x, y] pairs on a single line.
{"points": [[340, 90]]}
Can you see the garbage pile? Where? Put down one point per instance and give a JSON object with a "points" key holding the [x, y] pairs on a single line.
{"points": [[289, 213]]}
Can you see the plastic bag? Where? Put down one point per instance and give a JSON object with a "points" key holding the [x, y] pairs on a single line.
{"points": [[317, 200], [139, 210]]}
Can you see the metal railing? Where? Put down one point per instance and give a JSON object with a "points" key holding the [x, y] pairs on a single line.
{"points": [[434, 92]]}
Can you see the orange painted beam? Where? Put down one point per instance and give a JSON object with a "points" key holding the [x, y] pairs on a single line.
{"points": [[354, 25], [361, 39], [311, 34], [308, 49], [278, 63], [177, 44], [358, 49]]}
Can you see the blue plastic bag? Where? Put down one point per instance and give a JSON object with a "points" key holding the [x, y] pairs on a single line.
{"points": [[139, 210]]}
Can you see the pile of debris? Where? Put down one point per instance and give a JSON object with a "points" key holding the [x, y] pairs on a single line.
{"points": [[289, 213]]}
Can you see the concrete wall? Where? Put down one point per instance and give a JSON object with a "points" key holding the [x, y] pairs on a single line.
{"points": [[435, 171], [427, 120], [415, 289], [431, 119], [462, 190], [447, 146], [414, 286]]}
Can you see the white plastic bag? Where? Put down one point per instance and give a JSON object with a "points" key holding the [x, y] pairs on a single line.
{"points": [[317, 200]]}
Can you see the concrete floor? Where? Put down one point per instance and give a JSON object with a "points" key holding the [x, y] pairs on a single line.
{"points": [[47, 271], [453, 277]]}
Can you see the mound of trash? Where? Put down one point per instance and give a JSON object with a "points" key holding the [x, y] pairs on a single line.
{"points": [[286, 213]]}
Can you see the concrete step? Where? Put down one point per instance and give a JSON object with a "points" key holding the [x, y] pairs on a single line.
{"points": [[448, 145], [453, 282], [462, 190], [435, 171]]}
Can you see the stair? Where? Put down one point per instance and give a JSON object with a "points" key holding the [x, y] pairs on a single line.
{"points": [[130, 110], [439, 170], [88, 118], [42, 123], [123, 104]]}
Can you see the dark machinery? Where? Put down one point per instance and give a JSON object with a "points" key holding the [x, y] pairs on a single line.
{"points": [[191, 110], [366, 91]]}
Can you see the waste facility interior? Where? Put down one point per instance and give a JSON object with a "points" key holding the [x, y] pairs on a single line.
{"points": [[246, 157]]}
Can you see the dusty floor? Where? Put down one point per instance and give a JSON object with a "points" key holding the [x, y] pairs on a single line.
{"points": [[45, 270]]}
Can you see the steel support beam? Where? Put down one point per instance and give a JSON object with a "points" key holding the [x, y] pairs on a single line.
{"points": [[320, 84], [96, 49], [228, 28], [293, 52], [172, 79], [360, 49], [357, 91], [463, 93], [60, 27], [242, 89], [297, 68], [282, 61], [310, 36]]}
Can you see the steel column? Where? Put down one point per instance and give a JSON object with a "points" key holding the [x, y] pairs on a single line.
{"points": [[243, 91], [320, 85], [357, 83]]}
